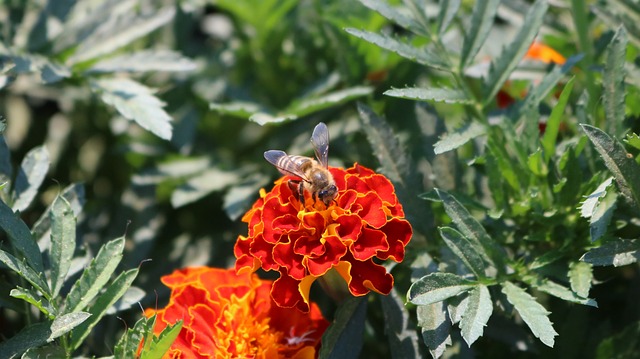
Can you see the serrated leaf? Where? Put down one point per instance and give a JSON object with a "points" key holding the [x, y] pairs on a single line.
{"points": [[560, 291], [201, 185], [435, 326], [445, 95], [613, 95], [537, 165], [19, 267], [385, 145], [74, 194], [32, 336], [553, 122], [30, 176], [591, 201], [534, 314], [343, 339], [239, 198], [437, 287], [136, 102], [617, 253], [63, 242], [263, 118], [477, 314], [602, 215], [459, 137], [633, 140], [507, 61], [306, 106], [468, 226], [482, 18], [119, 31], [448, 10], [580, 276], [106, 299], [143, 61], [47, 352], [161, 344], [422, 56], [32, 297], [456, 306], [623, 167], [132, 296], [20, 237], [6, 169], [127, 346], [95, 276], [237, 109], [400, 330], [464, 249], [65, 323], [403, 19]]}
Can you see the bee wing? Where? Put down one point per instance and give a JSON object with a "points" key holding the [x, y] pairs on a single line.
{"points": [[320, 142], [287, 165]]}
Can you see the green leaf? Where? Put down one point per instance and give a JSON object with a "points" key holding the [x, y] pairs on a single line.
{"points": [[161, 344], [128, 345], [32, 297], [591, 201], [580, 276], [95, 276], [144, 61], [118, 32], [469, 227], [32, 336], [136, 102], [400, 330], [237, 109], [445, 95], [616, 253], [448, 10], [559, 291], [537, 165], [613, 96], [459, 137], [456, 306], [484, 12], [131, 297], [386, 147], [500, 70], [32, 171], [464, 248], [310, 105], [74, 194], [203, 184], [391, 13], [602, 215], [343, 339], [65, 323], [633, 140], [435, 326], [437, 287], [20, 237], [63, 242], [47, 351], [623, 167], [534, 314], [623, 344], [26, 272], [477, 313], [106, 299], [553, 123], [422, 56], [6, 169]]}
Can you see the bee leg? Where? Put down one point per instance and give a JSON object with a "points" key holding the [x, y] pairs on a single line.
{"points": [[301, 193], [296, 186]]}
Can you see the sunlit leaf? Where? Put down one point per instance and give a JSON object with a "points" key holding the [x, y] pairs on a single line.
{"points": [[63, 242], [74, 194], [482, 19], [36, 279], [310, 105], [435, 327], [143, 61], [31, 174], [591, 201], [201, 185], [437, 287], [580, 277], [534, 314], [67, 322], [602, 215], [459, 137], [560, 291], [403, 340], [553, 122], [29, 337], [448, 10], [476, 315], [161, 343], [20, 237], [633, 140], [343, 339], [32, 297], [464, 249], [136, 102], [617, 253], [445, 95], [613, 96], [401, 18]]}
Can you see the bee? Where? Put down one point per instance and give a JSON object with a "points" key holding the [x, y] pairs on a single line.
{"points": [[314, 176]]}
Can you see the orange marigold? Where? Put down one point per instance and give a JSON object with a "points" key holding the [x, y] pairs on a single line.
{"points": [[229, 315], [365, 223], [544, 53]]}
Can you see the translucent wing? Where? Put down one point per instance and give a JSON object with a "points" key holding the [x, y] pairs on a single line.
{"points": [[320, 142], [287, 165]]}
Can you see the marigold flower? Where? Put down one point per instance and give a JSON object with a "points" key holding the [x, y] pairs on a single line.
{"points": [[229, 315], [542, 52], [365, 224]]}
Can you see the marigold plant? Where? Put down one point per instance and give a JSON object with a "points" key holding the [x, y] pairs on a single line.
{"points": [[365, 224], [229, 315]]}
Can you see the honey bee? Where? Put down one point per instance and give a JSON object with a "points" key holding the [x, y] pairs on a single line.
{"points": [[314, 176]]}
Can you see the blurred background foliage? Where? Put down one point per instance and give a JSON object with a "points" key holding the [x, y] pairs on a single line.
{"points": [[162, 110]]}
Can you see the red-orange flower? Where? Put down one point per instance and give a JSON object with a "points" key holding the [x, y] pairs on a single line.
{"points": [[544, 53], [363, 225], [229, 315]]}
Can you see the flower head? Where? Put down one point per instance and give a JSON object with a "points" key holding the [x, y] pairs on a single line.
{"points": [[364, 224], [229, 315], [544, 53]]}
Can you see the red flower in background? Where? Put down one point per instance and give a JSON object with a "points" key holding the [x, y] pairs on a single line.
{"points": [[227, 315], [365, 223]]}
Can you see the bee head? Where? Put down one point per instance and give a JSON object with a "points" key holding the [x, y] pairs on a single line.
{"points": [[327, 194]]}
